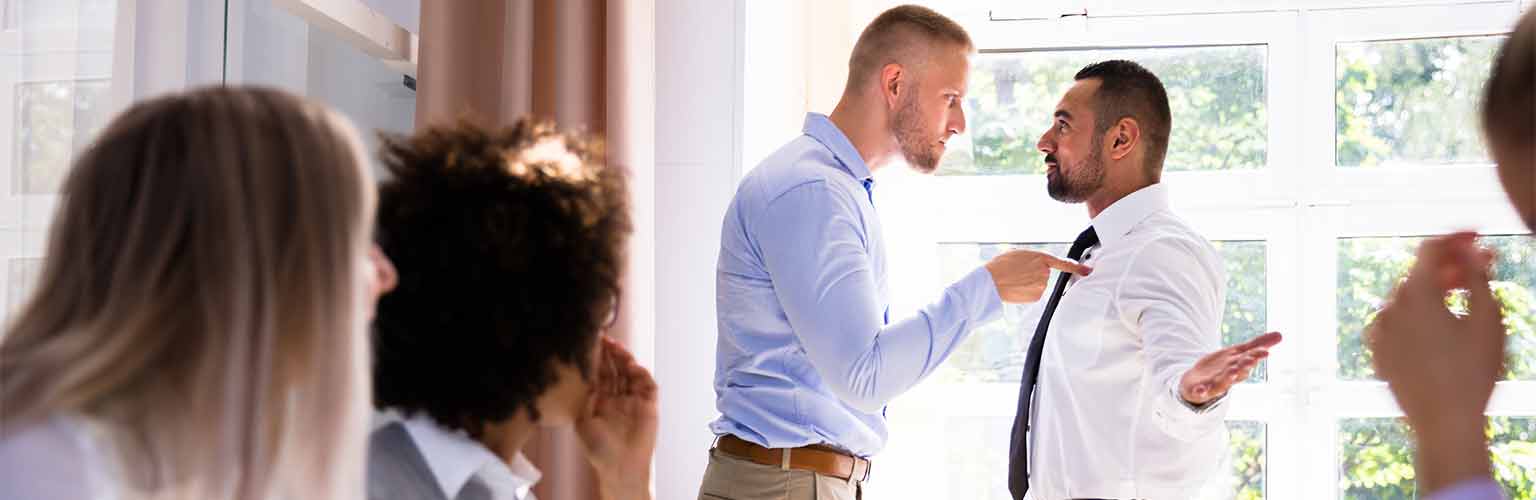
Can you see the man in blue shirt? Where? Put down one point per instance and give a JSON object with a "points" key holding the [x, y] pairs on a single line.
{"points": [[808, 354]]}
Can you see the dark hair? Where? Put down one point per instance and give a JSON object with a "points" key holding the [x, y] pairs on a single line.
{"points": [[1509, 101], [509, 245], [890, 38], [1128, 90]]}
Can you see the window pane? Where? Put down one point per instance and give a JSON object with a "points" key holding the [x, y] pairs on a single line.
{"points": [[1376, 458], [1216, 94], [1370, 267], [976, 460], [1246, 316], [55, 120], [20, 275], [995, 351], [976, 457], [1411, 101], [1243, 477]]}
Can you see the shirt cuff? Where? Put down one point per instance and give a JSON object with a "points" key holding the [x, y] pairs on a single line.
{"points": [[1200, 408], [980, 293], [1472, 489], [1181, 420]]}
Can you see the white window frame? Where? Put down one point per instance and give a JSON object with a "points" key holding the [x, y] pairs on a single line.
{"points": [[185, 50], [33, 57], [1299, 203]]}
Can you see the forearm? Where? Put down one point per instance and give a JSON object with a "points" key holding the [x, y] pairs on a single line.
{"points": [[1450, 452], [882, 366], [608, 492], [615, 487]]}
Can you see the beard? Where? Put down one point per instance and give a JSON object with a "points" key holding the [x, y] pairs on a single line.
{"points": [[916, 145], [1086, 177]]}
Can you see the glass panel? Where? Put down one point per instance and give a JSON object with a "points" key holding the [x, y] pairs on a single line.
{"points": [[283, 50], [995, 351], [1243, 477], [20, 276], [976, 457], [1370, 267], [1216, 94], [1411, 101], [1247, 312], [54, 121], [1376, 458]]}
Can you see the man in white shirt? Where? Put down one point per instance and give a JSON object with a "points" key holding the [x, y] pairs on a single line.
{"points": [[1123, 382]]}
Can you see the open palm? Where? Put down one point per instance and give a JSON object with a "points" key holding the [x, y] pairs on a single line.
{"points": [[1217, 372]]}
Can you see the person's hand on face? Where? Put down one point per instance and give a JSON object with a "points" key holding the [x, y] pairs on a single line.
{"points": [[1442, 366], [618, 427]]}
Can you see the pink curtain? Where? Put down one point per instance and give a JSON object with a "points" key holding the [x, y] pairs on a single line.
{"points": [[495, 60]]}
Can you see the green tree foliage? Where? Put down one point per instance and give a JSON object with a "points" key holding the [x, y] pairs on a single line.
{"points": [[55, 120], [1377, 458], [1370, 267], [1376, 455], [1216, 94], [1412, 101]]}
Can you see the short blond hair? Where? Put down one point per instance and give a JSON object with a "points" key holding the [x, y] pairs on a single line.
{"points": [[900, 35]]}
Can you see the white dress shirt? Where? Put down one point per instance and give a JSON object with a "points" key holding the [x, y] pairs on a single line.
{"points": [[1108, 420], [455, 458], [63, 457]]}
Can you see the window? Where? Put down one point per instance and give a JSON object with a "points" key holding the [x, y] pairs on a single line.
{"points": [[1315, 147], [20, 277], [56, 93], [1217, 91], [1369, 267], [1371, 452], [54, 121], [1411, 101]]}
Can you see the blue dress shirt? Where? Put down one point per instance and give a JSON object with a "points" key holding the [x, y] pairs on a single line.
{"points": [[805, 354]]}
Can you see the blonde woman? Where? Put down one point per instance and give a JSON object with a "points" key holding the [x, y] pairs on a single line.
{"points": [[198, 330]]}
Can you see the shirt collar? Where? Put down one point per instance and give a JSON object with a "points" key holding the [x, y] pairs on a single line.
{"points": [[454, 458], [1120, 217], [821, 128]]}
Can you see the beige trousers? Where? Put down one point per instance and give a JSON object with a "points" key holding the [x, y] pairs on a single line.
{"points": [[731, 478]]}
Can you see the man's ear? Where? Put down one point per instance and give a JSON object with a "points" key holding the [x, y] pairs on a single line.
{"points": [[1123, 137], [891, 84]]}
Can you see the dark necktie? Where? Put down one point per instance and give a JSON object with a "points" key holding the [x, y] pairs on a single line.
{"points": [[1018, 449]]}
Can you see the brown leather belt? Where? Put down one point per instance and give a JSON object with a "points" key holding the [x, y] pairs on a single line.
{"points": [[818, 459]]}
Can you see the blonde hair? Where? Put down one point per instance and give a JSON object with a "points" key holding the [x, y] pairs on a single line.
{"points": [[201, 298], [905, 34]]}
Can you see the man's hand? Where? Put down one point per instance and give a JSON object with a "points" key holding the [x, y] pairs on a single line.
{"points": [[618, 428], [1021, 275], [1217, 372], [1442, 367]]}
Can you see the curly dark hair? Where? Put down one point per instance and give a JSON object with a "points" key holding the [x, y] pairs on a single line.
{"points": [[509, 245]]}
